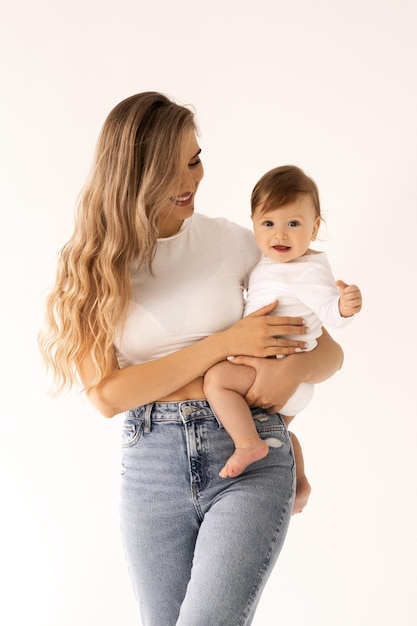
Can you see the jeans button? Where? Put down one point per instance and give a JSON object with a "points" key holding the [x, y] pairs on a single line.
{"points": [[187, 410]]}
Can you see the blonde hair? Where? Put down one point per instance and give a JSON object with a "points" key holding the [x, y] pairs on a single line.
{"points": [[134, 173]]}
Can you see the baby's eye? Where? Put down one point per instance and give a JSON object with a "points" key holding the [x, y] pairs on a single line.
{"points": [[268, 223], [293, 223]]}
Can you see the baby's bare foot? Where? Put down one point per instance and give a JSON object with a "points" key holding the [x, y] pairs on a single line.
{"points": [[302, 494], [244, 456]]}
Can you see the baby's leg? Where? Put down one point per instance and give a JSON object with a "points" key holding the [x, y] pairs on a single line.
{"points": [[303, 488], [225, 386]]}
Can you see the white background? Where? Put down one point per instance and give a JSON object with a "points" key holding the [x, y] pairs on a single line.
{"points": [[327, 85]]}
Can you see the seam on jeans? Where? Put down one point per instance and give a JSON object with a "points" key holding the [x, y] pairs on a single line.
{"points": [[263, 569], [136, 433], [265, 564], [203, 457], [194, 471]]}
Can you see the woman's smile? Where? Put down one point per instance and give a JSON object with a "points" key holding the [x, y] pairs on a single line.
{"points": [[183, 200]]}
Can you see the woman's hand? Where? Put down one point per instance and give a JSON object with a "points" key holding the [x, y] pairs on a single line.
{"points": [[276, 380], [261, 334]]}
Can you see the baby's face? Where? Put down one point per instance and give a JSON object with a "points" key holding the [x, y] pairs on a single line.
{"points": [[285, 233]]}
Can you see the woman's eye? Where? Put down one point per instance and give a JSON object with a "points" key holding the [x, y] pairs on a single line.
{"points": [[195, 163], [293, 223]]}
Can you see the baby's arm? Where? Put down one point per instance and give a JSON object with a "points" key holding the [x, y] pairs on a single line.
{"points": [[318, 290], [350, 301]]}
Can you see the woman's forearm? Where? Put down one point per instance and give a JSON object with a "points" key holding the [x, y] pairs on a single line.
{"points": [[322, 362], [136, 385], [139, 384]]}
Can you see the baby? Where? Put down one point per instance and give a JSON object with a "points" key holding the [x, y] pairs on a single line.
{"points": [[286, 218]]}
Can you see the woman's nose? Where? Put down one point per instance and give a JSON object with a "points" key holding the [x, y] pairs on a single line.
{"points": [[188, 181]]}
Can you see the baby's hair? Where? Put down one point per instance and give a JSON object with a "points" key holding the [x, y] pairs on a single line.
{"points": [[281, 186]]}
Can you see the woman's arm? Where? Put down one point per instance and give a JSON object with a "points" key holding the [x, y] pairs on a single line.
{"points": [[139, 384], [278, 379]]}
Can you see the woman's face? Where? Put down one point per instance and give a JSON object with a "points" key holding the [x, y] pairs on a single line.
{"points": [[181, 205]]}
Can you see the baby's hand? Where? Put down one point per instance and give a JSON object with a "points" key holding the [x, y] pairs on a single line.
{"points": [[350, 301]]}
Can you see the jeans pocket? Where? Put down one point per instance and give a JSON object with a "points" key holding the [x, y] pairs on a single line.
{"points": [[131, 433], [271, 425]]}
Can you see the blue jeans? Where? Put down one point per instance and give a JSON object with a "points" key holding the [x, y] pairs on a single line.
{"points": [[199, 547]]}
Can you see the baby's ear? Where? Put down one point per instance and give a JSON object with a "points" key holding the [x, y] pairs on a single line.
{"points": [[316, 227]]}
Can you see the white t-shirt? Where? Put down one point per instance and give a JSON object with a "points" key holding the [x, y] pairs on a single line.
{"points": [[304, 288], [197, 289]]}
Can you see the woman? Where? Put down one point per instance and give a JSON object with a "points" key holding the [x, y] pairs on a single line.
{"points": [[148, 296]]}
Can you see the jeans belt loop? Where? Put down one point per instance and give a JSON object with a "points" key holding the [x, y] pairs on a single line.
{"points": [[147, 418]]}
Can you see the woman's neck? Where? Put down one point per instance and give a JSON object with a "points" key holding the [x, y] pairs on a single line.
{"points": [[169, 228]]}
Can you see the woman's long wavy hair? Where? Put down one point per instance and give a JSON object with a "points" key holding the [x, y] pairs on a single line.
{"points": [[134, 173]]}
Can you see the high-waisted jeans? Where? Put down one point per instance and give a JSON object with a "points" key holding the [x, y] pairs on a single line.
{"points": [[199, 547]]}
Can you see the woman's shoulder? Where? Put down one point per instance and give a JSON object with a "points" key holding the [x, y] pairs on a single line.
{"points": [[232, 240], [221, 224]]}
